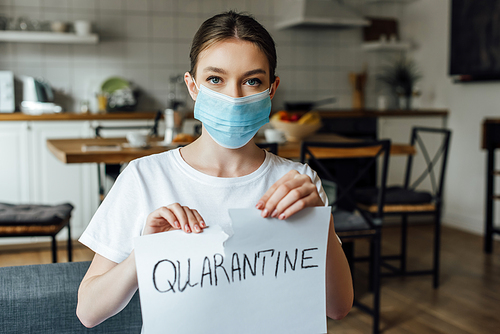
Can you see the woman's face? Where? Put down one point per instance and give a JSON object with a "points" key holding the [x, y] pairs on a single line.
{"points": [[232, 67]]}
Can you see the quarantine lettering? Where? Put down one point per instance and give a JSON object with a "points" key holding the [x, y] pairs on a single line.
{"points": [[176, 276]]}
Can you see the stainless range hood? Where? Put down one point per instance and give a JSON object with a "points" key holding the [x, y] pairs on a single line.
{"points": [[318, 13]]}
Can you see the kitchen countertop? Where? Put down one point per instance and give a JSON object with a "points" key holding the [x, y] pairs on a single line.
{"points": [[369, 113], [341, 113], [67, 116]]}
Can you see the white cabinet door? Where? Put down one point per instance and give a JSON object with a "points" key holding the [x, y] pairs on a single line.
{"points": [[56, 182], [14, 163]]}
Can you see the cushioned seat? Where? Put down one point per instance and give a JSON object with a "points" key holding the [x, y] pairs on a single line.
{"points": [[393, 195], [29, 214], [347, 221], [405, 200], [36, 220]]}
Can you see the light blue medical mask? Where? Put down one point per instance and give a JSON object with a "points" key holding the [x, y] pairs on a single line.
{"points": [[232, 121]]}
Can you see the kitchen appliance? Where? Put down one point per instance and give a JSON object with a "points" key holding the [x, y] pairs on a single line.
{"points": [[7, 97], [38, 97], [318, 13], [173, 124]]}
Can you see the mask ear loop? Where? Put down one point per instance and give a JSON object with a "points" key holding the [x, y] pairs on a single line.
{"points": [[195, 84]]}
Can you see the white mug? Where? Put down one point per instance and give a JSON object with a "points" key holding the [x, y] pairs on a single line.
{"points": [[274, 136], [82, 27], [137, 139]]}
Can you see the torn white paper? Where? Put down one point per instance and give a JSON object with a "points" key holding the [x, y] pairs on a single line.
{"points": [[269, 277]]}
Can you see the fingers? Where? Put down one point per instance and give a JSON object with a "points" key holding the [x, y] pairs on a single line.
{"points": [[306, 202], [178, 217], [189, 220], [288, 196], [261, 205]]}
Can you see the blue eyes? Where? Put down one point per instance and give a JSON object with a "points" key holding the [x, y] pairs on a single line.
{"points": [[253, 82], [214, 80], [217, 81]]}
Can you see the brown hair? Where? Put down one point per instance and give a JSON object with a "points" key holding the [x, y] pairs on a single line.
{"points": [[233, 25]]}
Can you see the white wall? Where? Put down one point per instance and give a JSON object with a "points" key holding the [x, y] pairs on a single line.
{"points": [[146, 41], [426, 22]]}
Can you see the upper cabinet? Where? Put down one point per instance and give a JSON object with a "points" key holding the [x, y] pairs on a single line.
{"points": [[47, 37]]}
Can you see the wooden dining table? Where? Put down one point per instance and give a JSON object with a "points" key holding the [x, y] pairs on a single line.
{"points": [[117, 150], [102, 151]]}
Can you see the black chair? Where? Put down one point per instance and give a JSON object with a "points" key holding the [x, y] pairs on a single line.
{"points": [[113, 170], [407, 200], [358, 223], [491, 142], [271, 147], [29, 220]]}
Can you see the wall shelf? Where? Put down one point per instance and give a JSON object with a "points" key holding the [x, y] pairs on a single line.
{"points": [[390, 1], [386, 46], [47, 37]]}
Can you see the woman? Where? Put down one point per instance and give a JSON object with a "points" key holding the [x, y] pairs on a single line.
{"points": [[232, 81]]}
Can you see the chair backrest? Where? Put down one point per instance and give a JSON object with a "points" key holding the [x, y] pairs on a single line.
{"points": [[271, 147], [368, 152], [153, 129], [439, 155]]}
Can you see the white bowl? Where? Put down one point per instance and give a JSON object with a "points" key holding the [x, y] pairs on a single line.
{"points": [[275, 136]]}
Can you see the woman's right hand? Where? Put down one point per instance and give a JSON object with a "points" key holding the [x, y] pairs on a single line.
{"points": [[174, 217]]}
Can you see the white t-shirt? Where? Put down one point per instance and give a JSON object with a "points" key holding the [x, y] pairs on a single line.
{"points": [[162, 179]]}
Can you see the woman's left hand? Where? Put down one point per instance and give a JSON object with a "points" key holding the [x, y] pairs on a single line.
{"points": [[290, 194]]}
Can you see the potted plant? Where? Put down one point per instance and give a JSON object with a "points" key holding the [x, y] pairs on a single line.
{"points": [[401, 77]]}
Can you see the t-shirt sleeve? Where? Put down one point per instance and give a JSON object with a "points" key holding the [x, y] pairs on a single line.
{"points": [[317, 182], [119, 218]]}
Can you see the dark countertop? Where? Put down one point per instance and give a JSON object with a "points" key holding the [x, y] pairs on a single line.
{"points": [[369, 113]]}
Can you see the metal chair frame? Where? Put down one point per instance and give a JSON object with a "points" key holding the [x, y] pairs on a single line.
{"points": [[437, 187], [374, 220], [491, 142]]}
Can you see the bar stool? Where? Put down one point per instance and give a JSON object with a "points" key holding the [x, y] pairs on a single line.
{"points": [[491, 142], [29, 220]]}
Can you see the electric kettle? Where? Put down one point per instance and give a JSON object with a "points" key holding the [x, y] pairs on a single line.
{"points": [[38, 97]]}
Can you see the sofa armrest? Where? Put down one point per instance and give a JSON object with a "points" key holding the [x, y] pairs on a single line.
{"points": [[43, 298]]}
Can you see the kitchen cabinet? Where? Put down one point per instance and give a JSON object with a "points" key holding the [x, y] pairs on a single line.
{"points": [[30, 173], [14, 162], [53, 182]]}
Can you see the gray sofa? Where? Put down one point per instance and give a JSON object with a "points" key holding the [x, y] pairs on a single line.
{"points": [[42, 299]]}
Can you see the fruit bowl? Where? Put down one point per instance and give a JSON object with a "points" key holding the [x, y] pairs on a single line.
{"points": [[294, 131]]}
